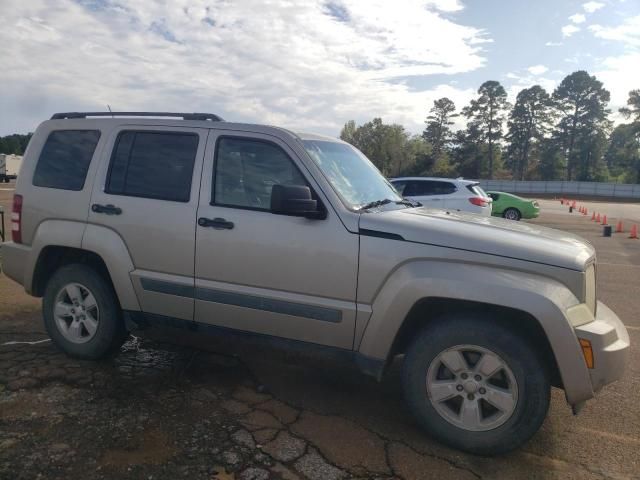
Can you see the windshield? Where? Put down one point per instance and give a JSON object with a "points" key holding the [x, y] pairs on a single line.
{"points": [[352, 175]]}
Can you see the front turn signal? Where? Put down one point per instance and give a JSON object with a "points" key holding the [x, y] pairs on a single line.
{"points": [[587, 352]]}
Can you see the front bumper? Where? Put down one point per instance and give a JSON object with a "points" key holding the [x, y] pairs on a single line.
{"points": [[533, 213], [610, 344]]}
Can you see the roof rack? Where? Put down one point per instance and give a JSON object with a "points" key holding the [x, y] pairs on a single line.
{"points": [[184, 116]]}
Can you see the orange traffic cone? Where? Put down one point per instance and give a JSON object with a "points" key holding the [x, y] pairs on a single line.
{"points": [[584, 211], [574, 204], [604, 220], [593, 216], [598, 218], [634, 232], [619, 228]]}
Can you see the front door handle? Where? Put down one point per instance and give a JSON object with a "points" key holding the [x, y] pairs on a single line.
{"points": [[108, 209], [217, 223]]}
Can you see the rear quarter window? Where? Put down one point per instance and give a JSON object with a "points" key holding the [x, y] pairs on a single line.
{"points": [[444, 188], [65, 159]]}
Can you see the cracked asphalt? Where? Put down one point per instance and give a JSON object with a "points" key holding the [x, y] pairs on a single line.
{"points": [[206, 409]]}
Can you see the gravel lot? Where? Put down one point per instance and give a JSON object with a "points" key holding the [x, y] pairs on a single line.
{"points": [[208, 410]]}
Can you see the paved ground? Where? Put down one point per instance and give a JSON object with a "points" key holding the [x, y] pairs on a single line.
{"points": [[161, 411], [630, 212]]}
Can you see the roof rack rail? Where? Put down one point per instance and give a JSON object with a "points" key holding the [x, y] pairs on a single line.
{"points": [[184, 116]]}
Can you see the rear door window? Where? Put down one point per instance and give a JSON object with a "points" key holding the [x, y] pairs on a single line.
{"points": [[65, 159], [443, 188], [153, 165], [418, 188]]}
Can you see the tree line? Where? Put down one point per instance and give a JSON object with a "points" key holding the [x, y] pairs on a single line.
{"points": [[561, 135], [14, 144]]}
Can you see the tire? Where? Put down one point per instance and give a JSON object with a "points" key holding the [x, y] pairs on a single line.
{"points": [[512, 214], [500, 432], [105, 335]]}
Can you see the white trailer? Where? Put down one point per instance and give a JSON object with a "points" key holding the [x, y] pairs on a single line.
{"points": [[5, 176]]}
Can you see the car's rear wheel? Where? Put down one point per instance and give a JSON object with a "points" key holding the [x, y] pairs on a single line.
{"points": [[512, 214], [81, 313], [476, 385]]}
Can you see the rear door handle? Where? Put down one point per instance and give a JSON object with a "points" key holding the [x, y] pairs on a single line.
{"points": [[108, 209], [217, 223]]}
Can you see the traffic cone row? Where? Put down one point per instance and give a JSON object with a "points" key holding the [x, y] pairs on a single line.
{"points": [[595, 217]]}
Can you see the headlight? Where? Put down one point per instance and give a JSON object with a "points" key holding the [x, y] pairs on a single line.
{"points": [[590, 288]]}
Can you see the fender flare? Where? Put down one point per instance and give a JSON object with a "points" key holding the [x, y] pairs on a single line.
{"points": [[111, 248], [102, 241], [543, 298], [62, 233]]}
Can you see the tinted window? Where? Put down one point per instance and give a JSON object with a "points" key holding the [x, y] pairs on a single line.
{"points": [[419, 188], [246, 171], [494, 196], [399, 186], [153, 165], [65, 159], [444, 188]]}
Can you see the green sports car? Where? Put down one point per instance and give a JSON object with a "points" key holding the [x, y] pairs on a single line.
{"points": [[513, 207]]}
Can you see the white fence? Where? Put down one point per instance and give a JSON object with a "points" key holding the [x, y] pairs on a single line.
{"points": [[596, 189]]}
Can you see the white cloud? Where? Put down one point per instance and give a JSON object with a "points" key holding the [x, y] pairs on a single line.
{"points": [[628, 32], [569, 30], [305, 65], [553, 44], [537, 69], [591, 7], [578, 18], [445, 5], [620, 76]]}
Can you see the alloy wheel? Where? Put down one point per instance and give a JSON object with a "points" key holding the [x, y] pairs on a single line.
{"points": [[76, 313], [472, 388]]}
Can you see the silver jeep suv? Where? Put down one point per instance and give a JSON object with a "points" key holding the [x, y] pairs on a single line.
{"points": [[187, 220]]}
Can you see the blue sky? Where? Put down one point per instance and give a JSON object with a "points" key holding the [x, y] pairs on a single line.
{"points": [[306, 65]]}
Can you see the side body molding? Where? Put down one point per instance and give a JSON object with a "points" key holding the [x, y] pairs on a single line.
{"points": [[543, 298], [111, 248]]}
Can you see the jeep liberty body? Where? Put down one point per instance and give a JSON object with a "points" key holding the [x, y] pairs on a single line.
{"points": [[139, 220]]}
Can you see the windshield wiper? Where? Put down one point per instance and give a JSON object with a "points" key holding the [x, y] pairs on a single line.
{"points": [[374, 204], [408, 203]]}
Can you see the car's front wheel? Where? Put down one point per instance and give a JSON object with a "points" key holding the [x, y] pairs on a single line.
{"points": [[512, 214], [475, 384], [81, 313]]}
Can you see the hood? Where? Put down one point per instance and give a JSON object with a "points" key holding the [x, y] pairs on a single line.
{"points": [[490, 235]]}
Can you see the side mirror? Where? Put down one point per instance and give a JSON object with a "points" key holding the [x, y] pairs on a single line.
{"points": [[294, 200]]}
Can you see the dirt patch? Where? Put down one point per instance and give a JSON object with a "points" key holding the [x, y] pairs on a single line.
{"points": [[154, 447]]}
